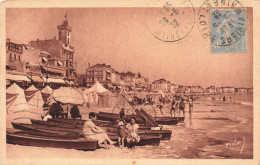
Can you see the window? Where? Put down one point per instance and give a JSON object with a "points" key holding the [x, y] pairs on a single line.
{"points": [[19, 58], [68, 41], [11, 56], [15, 57], [68, 33]]}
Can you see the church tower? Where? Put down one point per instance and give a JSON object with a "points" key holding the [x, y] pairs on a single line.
{"points": [[65, 32]]}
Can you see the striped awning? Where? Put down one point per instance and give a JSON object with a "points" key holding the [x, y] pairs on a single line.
{"points": [[44, 59], [59, 63], [18, 78], [36, 79], [10, 67], [53, 70], [54, 80]]}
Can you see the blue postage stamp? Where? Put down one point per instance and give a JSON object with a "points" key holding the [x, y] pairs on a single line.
{"points": [[228, 30]]}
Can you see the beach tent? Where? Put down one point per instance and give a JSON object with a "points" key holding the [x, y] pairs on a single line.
{"points": [[90, 97], [107, 100], [34, 97], [46, 92], [91, 94], [97, 87], [15, 99], [17, 108]]}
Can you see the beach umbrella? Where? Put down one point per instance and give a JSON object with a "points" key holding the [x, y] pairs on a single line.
{"points": [[68, 95]]}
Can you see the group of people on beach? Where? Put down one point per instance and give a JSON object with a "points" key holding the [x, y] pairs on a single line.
{"points": [[178, 106], [126, 132], [224, 98], [55, 110]]}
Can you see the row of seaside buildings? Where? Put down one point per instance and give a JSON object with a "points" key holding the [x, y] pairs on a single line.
{"points": [[51, 62], [167, 86]]}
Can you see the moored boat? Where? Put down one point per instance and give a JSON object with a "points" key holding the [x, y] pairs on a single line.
{"points": [[160, 120], [54, 142], [164, 134], [153, 140], [49, 131], [44, 130], [56, 124], [69, 121], [166, 121]]}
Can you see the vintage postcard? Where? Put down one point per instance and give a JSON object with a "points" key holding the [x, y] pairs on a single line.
{"points": [[130, 82]]}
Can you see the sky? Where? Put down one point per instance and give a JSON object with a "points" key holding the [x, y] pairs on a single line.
{"points": [[120, 37]]}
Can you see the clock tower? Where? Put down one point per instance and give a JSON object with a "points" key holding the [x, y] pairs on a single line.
{"points": [[65, 32]]}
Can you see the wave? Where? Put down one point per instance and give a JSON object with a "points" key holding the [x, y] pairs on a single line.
{"points": [[245, 103]]}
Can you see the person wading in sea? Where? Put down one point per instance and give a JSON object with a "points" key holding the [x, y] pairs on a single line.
{"points": [[173, 107], [160, 108], [182, 107], [190, 107]]}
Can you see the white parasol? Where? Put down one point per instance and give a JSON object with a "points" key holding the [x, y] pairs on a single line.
{"points": [[68, 95]]}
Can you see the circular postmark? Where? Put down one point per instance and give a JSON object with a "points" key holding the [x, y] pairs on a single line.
{"points": [[170, 20], [223, 22]]}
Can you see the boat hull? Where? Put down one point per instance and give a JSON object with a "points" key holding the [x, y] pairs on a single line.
{"points": [[40, 141], [160, 120], [46, 131]]}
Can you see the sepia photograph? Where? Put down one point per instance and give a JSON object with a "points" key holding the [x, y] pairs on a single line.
{"points": [[170, 80]]}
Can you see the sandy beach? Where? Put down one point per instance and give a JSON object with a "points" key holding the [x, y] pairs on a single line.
{"points": [[216, 129]]}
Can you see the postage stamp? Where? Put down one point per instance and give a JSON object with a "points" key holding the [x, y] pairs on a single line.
{"points": [[223, 23], [172, 21], [228, 30]]}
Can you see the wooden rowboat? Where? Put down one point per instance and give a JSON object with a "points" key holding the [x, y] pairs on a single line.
{"points": [[166, 121], [113, 117], [21, 138], [41, 125], [180, 119], [69, 121], [51, 123], [144, 140], [164, 134], [101, 123], [42, 130], [48, 131]]}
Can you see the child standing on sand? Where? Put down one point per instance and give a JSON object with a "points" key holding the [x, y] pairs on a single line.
{"points": [[121, 133], [121, 128], [190, 107]]}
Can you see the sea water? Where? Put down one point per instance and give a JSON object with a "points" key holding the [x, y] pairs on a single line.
{"points": [[215, 129]]}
